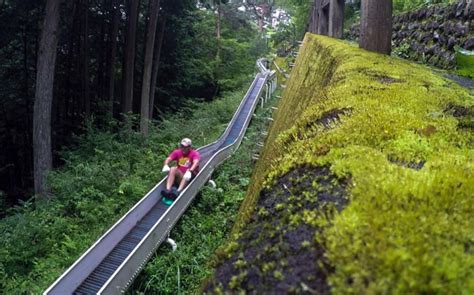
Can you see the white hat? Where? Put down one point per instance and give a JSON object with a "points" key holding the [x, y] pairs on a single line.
{"points": [[186, 142]]}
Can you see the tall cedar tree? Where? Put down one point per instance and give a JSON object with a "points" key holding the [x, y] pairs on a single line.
{"points": [[114, 30], [313, 17], [336, 18], [376, 26], [218, 6], [129, 62], [262, 9], [154, 7], [42, 153], [86, 100], [156, 62]]}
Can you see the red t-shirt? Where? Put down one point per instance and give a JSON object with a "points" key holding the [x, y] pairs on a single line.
{"points": [[185, 161]]}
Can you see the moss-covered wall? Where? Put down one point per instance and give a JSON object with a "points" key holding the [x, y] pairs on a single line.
{"points": [[280, 65], [365, 184], [430, 34]]}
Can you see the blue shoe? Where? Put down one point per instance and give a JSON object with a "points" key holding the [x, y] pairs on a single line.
{"points": [[166, 201], [166, 196]]}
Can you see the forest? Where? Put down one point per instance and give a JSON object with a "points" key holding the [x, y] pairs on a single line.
{"points": [[95, 94], [200, 51], [90, 81]]}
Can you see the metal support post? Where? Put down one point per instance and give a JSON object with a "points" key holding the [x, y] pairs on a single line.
{"points": [[173, 244], [268, 92], [212, 183]]}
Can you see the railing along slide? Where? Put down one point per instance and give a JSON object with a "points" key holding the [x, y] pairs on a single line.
{"points": [[111, 264]]}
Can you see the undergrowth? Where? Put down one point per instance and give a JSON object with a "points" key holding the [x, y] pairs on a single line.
{"points": [[103, 176]]}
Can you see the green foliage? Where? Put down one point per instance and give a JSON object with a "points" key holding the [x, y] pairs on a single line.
{"points": [[400, 6], [403, 50], [189, 68], [3, 206], [194, 52], [351, 14], [234, 71], [399, 137], [196, 64], [299, 10], [465, 62], [284, 38], [352, 10], [103, 176], [18, 46]]}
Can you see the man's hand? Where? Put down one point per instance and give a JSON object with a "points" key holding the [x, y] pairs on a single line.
{"points": [[187, 176], [166, 169]]}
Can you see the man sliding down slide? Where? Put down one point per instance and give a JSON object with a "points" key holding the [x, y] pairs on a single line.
{"points": [[188, 167]]}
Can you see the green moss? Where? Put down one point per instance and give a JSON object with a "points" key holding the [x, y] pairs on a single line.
{"points": [[282, 70], [405, 230], [268, 266], [236, 280], [278, 275], [306, 244]]}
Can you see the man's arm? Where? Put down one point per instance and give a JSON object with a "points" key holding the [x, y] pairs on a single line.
{"points": [[194, 166], [172, 157], [168, 161]]}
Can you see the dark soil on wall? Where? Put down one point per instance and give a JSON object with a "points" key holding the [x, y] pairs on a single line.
{"points": [[277, 252]]}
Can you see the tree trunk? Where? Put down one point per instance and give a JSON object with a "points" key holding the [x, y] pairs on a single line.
{"points": [[85, 59], [2, 5], [154, 7], [25, 163], [71, 64], [376, 26], [113, 53], [315, 16], [26, 81], [309, 26], [44, 97], [336, 18], [260, 24], [156, 63], [99, 79], [323, 20], [218, 29], [270, 13], [129, 62]]}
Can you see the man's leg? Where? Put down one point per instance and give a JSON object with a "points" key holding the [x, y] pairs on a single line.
{"points": [[174, 174], [184, 183]]}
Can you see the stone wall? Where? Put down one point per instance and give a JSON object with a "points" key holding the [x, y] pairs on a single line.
{"points": [[353, 159], [430, 34]]}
